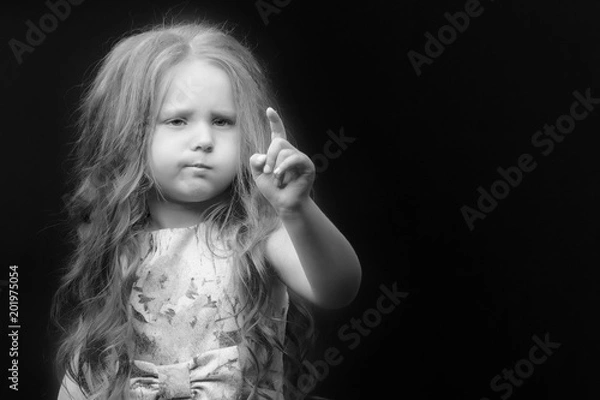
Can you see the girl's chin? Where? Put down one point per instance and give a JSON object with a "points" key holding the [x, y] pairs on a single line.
{"points": [[203, 197], [192, 195]]}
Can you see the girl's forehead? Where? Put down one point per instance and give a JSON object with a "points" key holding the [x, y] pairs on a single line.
{"points": [[195, 81]]}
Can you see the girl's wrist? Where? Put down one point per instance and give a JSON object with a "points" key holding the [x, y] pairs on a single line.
{"points": [[297, 211]]}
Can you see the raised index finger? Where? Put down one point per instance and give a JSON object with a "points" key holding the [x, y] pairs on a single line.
{"points": [[277, 128]]}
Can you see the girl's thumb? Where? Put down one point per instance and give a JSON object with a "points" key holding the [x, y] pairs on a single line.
{"points": [[257, 163]]}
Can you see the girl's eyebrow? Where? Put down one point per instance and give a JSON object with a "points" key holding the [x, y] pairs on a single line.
{"points": [[189, 111], [178, 110], [224, 111]]}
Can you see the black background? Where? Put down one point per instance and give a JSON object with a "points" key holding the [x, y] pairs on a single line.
{"points": [[423, 145]]}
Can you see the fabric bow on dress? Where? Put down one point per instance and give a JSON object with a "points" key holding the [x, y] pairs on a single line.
{"points": [[212, 375]]}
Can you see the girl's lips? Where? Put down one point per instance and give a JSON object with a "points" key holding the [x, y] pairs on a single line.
{"points": [[200, 166]]}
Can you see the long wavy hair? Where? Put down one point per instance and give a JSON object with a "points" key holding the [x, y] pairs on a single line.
{"points": [[108, 211]]}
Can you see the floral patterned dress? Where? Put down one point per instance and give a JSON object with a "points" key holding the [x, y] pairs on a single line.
{"points": [[186, 328]]}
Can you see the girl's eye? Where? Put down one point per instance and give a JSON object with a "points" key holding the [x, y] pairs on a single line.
{"points": [[222, 122], [176, 122]]}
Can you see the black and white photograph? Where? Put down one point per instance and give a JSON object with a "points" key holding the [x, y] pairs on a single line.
{"points": [[289, 200]]}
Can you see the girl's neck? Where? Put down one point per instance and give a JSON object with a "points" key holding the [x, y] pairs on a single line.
{"points": [[165, 213]]}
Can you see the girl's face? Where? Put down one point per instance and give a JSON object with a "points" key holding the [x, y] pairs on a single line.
{"points": [[195, 149]]}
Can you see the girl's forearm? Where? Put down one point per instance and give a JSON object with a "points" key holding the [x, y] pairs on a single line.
{"points": [[328, 259]]}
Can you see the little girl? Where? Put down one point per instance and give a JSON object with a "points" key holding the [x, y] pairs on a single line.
{"points": [[193, 218]]}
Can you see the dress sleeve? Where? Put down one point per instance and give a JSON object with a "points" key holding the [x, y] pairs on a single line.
{"points": [[70, 390]]}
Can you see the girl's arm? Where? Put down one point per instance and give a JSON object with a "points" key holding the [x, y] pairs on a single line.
{"points": [[310, 254], [313, 258]]}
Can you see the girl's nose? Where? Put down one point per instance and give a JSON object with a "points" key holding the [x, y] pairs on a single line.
{"points": [[202, 138]]}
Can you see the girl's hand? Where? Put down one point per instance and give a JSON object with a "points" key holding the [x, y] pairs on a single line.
{"points": [[284, 175]]}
